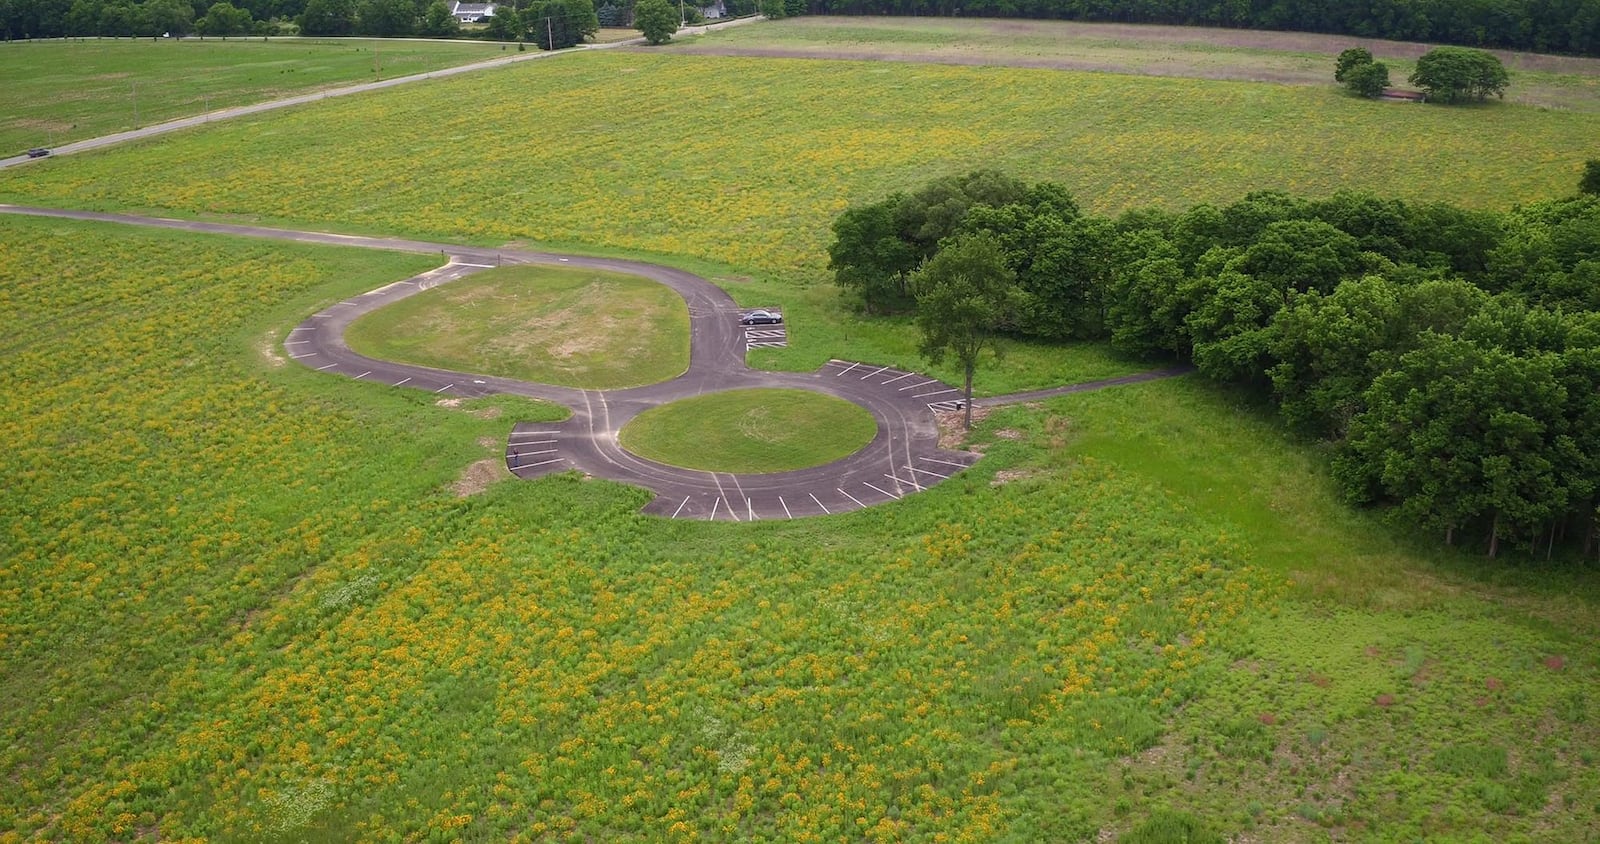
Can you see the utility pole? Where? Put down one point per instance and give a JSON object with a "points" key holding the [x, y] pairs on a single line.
{"points": [[549, 32]]}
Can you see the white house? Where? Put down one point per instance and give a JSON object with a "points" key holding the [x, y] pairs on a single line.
{"points": [[472, 12]]}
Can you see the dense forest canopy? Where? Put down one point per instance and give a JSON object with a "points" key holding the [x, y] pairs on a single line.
{"points": [[1451, 357], [1555, 26]]}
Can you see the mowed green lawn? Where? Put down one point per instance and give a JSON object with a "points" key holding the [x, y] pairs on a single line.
{"points": [[748, 166], [576, 328], [53, 92], [751, 431]]}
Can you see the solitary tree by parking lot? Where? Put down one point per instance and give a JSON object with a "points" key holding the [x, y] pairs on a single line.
{"points": [[965, 292]]}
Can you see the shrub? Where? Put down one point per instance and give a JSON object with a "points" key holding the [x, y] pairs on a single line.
{"points": [[1458, 74], [1368, 80], [1350, 60], [1590, 183]]}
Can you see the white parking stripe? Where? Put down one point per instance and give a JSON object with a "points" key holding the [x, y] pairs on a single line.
{"points": [[532, 433], [442, 389], [541, 463], [926, 472], [786, 513], [749, 510], [946, 462], [295, 342], [531, 442], [847, 369], [897, 378], [402, 380], [934, 393], [533, 453], [851, 497], [819, 503], [680, 507], [884, 491], [298, 328], [914, 386], [364, 374], [899, 480], [329, 366], [303, 357], [873, 372]]}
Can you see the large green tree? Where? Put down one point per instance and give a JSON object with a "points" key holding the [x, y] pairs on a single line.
{"points": [[657, 19], [437, 22], [1460, 74], [965, 294], [225, 19], [328, 17], [559, 24]]}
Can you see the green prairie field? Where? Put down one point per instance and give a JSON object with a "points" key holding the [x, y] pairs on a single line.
{"points": [[750, 165], [1288, 58], [244, 600], [241, 600], [59, 91], [577, 328]]}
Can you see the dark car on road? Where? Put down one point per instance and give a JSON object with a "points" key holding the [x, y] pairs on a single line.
{"points": [[38, 152], [761, 318]]}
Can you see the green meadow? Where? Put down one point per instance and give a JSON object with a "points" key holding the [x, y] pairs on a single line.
{"points": [[60, 91], [243, 600]]}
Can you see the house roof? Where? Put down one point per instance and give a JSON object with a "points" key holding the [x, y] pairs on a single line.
{"points": [[473, 9]]}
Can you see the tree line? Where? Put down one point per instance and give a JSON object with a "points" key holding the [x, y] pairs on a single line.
{"points": [[563, 22], [1546, 26], [1450, 356]]}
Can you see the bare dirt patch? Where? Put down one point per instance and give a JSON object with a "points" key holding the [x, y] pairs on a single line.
{"points": [[1009, 434], [1006, 476], [450, 403], [952, 434], [269, 350], [488, 413], [479, 476]]}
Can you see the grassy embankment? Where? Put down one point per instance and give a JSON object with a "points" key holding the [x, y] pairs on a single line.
{"points": [[576, 328], [751, 431], [61, 91]]}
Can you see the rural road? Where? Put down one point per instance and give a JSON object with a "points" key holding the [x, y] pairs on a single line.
{"points": [[903, 457]]}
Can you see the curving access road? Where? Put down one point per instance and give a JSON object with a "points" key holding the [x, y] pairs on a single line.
{"points": [[903, 457]]}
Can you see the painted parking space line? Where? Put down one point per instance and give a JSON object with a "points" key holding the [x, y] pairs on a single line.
{"points": [[329, 366], [899, 480], [934, 393], [295, 342], [873, 372], [847, 369], [851, 497], [535, 453], [749, 510], [884, 491], [916, 386], [786, 513], [946, 462], [540, 463], [892, 380], [402, 381], [926, 472], [303, 357], [819, 503], [442, 389], [680, 507], [363, 375]]}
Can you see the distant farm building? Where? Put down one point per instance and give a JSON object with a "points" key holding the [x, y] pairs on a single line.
{"points": [[472, 12]]}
